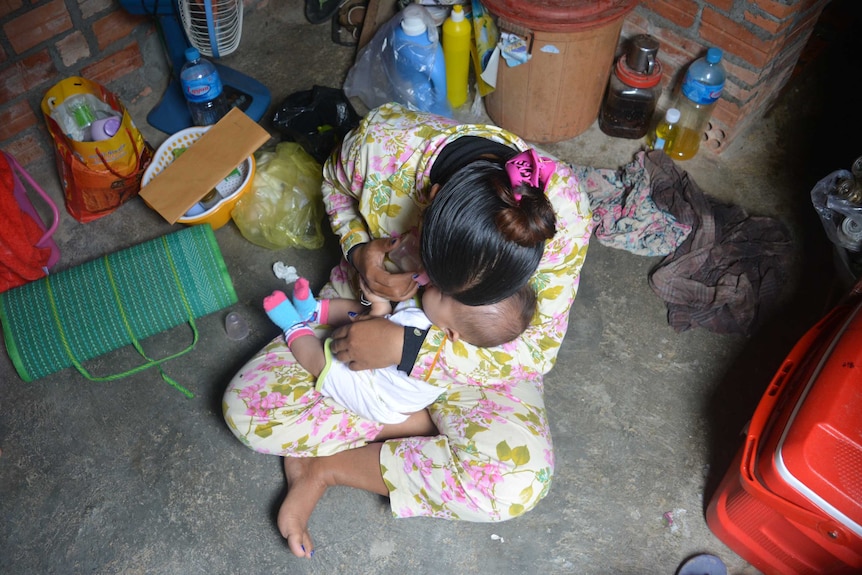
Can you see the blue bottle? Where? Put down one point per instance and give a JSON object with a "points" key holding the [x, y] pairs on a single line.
{"points": [[420, 66], [203, 90]]}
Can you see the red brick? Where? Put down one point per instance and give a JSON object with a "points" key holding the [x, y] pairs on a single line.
{"points": [[26, 149], [115, 26], [724, 5], [91, 7], [15, 119], [767, 24], [9, 6], [734, 38], [803, 27], [73, 48], [679, 12], [735, 92], [25, 75], [726, 112], [116, 65], [780, 10], [639, 18], [743, 75], [37, 25]]}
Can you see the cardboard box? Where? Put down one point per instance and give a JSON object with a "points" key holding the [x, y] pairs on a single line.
{"points": [[203, 165]]}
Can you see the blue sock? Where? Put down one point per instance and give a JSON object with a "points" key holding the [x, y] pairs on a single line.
{"points": [[303, 300], [281, 311]]}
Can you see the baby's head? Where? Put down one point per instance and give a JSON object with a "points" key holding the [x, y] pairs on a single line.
{"points": [[484, 325]]}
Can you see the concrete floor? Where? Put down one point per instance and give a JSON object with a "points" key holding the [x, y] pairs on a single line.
{"points": [[131, 477]]}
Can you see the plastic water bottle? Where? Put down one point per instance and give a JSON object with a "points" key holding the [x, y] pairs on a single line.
{"points": [[456, 52], [665, 134], [203, 89], [420, 65], [700, 91]]}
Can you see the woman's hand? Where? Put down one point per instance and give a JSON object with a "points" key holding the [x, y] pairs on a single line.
{"points": [[368, 343], [368, 260]]}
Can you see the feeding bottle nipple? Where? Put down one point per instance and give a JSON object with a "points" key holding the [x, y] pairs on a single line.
{"points": [[235, 326]]}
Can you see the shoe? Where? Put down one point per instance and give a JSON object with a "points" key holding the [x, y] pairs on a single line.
{"points": [[319, 11], [347, 23]]}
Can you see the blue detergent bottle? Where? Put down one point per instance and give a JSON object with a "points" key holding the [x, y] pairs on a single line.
{"points": [[420, 65]]}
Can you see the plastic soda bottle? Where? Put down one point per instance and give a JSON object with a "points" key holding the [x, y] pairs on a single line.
{"points": [[456, 52], [701, 89], [420, 64], [665, 134], [203, 90]]}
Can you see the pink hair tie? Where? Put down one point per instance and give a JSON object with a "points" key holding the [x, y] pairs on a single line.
{"points": [[530, 168]]}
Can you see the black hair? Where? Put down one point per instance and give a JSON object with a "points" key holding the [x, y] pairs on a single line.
{"points": [[481, 239]]}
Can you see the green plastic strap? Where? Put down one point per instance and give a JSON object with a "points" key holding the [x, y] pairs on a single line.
{"points": [[137, 345]]}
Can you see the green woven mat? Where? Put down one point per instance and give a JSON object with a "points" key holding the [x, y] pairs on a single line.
{"points": [[81, 313]]}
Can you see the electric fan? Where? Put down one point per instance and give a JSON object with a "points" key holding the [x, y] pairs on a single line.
{"points": [[213, 27]]}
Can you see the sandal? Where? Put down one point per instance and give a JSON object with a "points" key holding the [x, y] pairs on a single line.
{"points": [[319, 11], [347, 22]]}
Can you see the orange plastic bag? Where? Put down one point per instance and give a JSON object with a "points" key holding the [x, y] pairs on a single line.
{"points": [[97, 176]]}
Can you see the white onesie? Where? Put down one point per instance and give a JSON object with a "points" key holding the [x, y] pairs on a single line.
{"points": [[384, 395]]}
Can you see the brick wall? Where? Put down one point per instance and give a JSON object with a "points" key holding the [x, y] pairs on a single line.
{"points": [[44, 41], [762, 41]]}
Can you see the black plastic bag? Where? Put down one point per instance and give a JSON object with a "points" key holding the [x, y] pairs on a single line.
{"points": [[316, 119]]}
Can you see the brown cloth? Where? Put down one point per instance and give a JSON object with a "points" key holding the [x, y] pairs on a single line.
{"points": [[728, 273]]}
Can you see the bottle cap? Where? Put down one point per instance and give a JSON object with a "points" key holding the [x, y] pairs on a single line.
{"points": [[192, 54], [105, 128], [672, 115], [457, 13], [413, 26], [81, 111], [713, 55]]}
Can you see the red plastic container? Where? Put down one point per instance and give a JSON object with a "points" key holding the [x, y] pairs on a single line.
{"points": [[791, 504]]}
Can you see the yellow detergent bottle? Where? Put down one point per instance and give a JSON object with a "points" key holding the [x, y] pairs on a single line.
{"points": [[456, 54]]}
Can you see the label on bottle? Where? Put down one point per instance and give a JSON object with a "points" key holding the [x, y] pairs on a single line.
{"points": [[701, 93], [203, 89], [659, 144]]}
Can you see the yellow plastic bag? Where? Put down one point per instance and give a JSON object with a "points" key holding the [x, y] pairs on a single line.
{"points": [[285, 206]]}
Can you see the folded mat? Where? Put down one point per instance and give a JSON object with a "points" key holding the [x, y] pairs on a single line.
{"points": [[80, 313]]}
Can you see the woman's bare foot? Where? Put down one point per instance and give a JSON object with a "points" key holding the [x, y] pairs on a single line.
{"points": [[308, 478], [304, 490]]}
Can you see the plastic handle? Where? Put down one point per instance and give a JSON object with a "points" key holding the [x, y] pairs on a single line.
{"points": [[56, 214], [830, 529]]}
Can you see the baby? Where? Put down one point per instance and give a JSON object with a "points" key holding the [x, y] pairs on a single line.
{"points": [[388, 395]]}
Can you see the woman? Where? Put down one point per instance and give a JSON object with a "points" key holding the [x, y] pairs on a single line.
{"points": [[482, 451]]}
